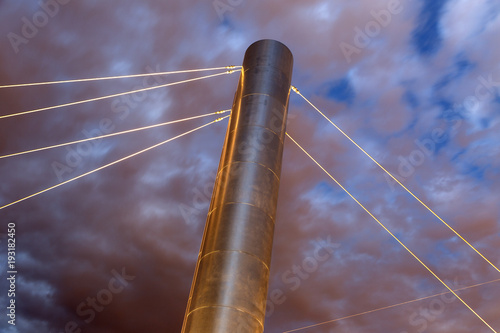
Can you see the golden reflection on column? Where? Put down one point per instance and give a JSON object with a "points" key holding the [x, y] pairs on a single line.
{"points": [[229, 288]]}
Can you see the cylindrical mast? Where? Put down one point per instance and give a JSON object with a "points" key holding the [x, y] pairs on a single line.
{"points": [[229, 289]]}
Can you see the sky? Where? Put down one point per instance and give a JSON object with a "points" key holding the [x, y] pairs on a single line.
{"points": [[415, 83]]}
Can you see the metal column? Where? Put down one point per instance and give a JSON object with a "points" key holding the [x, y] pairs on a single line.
{"points": [[229, 289]]}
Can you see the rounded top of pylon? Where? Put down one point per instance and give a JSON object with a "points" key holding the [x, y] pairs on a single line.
{"points": [[269, 52], [274, 42]]}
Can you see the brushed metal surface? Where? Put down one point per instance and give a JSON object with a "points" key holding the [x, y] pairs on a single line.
{"points": [[230, 282]]}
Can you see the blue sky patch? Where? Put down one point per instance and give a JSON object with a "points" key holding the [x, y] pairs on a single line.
{"points": [[340, 90], [475, 171], [462, 64], [427, 35], [485, 123], [448, 111], [325, 188], [457, 155], [411, 99], [460, 67]]}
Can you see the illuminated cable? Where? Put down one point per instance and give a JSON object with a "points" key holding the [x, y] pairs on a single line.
{"points": [[396, 180], [113, 134], [117, 77], [390, 233], [110, 164], [115, 95], [387, 307]]}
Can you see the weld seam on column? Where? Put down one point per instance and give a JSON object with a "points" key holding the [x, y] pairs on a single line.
{"points": [[239, 251], [235, 162], [242, 203], [278, 69], [256, 94], [262, 94], [267, 128], [227, 307], [270, 96]]}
